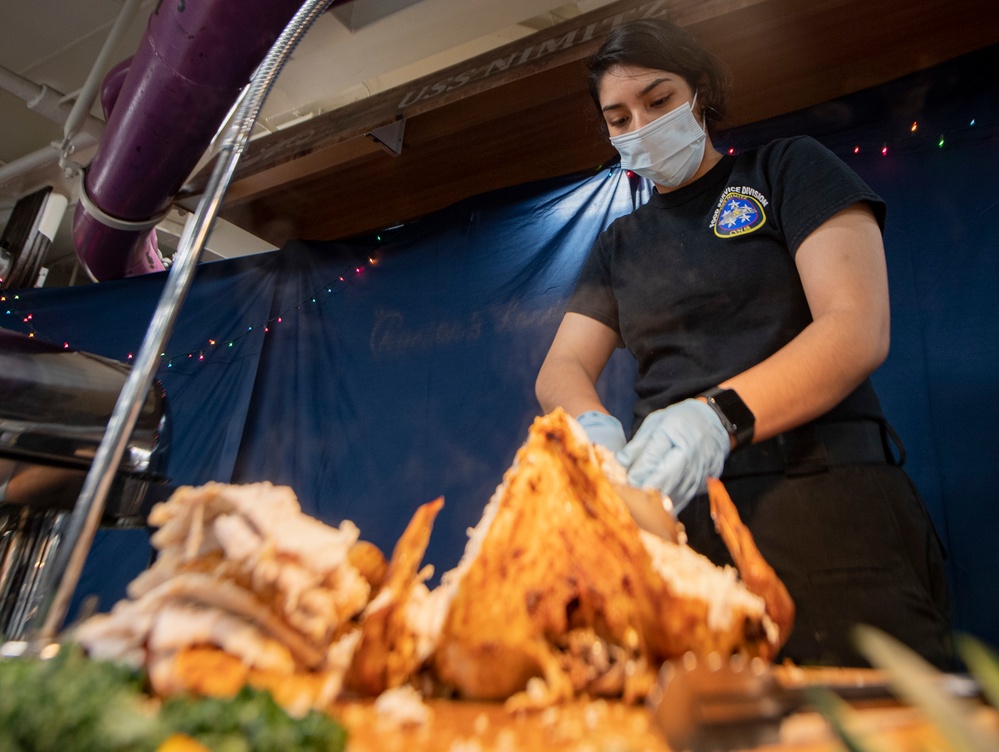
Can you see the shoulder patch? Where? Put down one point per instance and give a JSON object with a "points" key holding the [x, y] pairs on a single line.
{"points": [[739, 212]]}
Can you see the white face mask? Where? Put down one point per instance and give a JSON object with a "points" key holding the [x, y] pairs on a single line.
{"points": [[668, 150]]}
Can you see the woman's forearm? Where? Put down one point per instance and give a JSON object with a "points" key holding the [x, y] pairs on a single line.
{"points": [[808, 376], [568, 377], [564, 383]]}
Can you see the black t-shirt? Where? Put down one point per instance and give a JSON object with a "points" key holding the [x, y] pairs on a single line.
{"points": [[700, 283]]}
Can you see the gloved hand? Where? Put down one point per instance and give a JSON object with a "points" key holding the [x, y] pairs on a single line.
{"points": [[676, 450], [603, 429]]}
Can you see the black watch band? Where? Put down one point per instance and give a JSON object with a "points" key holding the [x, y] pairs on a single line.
{"points": [[735, 416]]}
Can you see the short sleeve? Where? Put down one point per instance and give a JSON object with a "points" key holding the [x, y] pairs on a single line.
{"points": [[811, 184], [593, 295]]}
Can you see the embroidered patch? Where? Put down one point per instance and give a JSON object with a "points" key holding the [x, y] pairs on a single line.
{"points": [[738, 213]]}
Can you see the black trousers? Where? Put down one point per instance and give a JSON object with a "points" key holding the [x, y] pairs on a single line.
{"points": [[854, 545]]}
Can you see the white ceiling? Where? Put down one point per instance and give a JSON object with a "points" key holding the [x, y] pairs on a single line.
{"points": [[350, 53]]}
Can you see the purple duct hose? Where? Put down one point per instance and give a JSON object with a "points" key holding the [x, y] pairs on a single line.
{"points": [[166, 105], [111, 86]]}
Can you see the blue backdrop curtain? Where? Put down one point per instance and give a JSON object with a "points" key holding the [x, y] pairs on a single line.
{"points": [[377, 374], [416, 379]]}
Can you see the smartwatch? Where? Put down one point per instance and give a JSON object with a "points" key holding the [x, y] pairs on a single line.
{"points": [[735, 416]]}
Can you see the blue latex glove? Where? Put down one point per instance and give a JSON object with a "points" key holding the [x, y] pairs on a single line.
{"points": [[603, 429], [676, 450]]}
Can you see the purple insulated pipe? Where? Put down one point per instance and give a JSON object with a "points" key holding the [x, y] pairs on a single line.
{"points": [[165, 106], [111, 86]]}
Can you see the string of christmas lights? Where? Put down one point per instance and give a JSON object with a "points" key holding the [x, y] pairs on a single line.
{"points": [[914, 136], [940, 141], [9, 307]]}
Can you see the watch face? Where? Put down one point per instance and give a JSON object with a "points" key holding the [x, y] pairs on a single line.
{"points": [[734, 409], [737, 418]]}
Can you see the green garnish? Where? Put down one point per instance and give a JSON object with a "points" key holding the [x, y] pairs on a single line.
{"points": [[251, 722], [74, 704]]}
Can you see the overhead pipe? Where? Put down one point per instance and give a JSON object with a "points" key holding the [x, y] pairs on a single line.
{"points": [[81, 130], [191, 65], [112, 83], [47, 102], [20, 170], [88, 93]]}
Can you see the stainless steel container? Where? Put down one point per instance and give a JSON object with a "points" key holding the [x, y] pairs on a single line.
{"points": [[55, 404]]}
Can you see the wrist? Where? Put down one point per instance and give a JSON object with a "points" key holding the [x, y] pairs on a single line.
{"points": [[735, 416], [603, 429]]}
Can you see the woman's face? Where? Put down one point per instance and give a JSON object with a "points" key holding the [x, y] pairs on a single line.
{"points": [[632, 96]]}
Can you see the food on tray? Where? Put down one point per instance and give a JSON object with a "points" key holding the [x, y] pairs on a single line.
{"points": [[559, 593], [393, 645], [242, 571]]}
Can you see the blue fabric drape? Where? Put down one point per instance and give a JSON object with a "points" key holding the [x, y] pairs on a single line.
{"points": [[412, 377], [416, 380]]}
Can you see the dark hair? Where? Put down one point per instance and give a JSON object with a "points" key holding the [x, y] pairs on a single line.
{"points": [[661, 45]]}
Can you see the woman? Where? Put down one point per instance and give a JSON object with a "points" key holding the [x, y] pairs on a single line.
{"points": [[752, 292]]}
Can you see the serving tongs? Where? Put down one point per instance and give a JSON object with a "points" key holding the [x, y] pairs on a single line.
{"points": [[718, 704]]}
